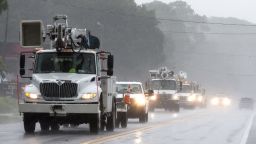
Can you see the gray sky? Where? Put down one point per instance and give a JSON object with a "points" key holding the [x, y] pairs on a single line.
{"points": [[242, 9]]}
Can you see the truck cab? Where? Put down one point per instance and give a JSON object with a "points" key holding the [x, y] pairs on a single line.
{"points": [[166, 94], [164, 84]]}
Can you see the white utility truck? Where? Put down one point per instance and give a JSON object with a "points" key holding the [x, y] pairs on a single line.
{"points": [[165, 86], [71, 80]]}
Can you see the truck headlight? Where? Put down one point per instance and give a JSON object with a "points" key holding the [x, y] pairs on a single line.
{"points": [[192, 98], [89, 96], [139, 100], [153, 98], [175, 97], [31, 95]]}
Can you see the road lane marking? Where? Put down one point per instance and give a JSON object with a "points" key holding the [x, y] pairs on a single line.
{"points": [[102, 139], [247, 130]]}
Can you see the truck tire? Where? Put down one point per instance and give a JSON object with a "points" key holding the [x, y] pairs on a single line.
{"points": [[102, 123], [94, 124], [55, 127], [102, 117], [110, 126], [146, 117], [29, 124], [176, 108], [143, 118], [45, 126], [151, 108], [124, 119], [118, 119]]}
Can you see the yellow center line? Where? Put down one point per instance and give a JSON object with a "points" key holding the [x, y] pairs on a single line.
{"points": [[102, 139]]}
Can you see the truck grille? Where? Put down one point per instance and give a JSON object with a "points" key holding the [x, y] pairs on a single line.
{"points": [[53, 91], [164, 97], [183, 98]]}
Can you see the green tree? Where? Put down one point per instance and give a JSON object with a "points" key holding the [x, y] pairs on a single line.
{"points": [[3, 5]]}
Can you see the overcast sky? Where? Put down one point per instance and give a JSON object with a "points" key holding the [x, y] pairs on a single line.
{"points": [[243, 9]]}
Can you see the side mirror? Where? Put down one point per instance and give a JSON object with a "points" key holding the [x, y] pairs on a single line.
{"points": [[110, 72], [150, 92], [110, 61], [110, 65], [22, 64]]}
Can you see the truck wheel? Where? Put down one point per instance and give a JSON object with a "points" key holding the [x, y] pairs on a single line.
{"points": [[102, 117], [29, 124], [44, 125], [94, 124], [102, 123], [111, 119], [143, 118], [177, 108], [124, 119], [118, 119], [55, 127], [152, 108]]}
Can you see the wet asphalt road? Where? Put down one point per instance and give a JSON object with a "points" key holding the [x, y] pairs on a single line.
{"points": [[200, 126]]}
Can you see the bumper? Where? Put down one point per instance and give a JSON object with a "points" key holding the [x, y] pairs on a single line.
{"points": [[135, 111], [59, 109], [187, 103]]}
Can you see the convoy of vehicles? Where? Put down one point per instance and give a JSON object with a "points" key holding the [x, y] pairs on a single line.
{"points": [[71, 83]]}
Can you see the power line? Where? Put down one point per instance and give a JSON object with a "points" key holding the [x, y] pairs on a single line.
{"points": [[214, 54], [222, 73], [205, 22]]}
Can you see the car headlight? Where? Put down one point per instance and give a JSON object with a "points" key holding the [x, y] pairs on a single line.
{"points": [[31, 95], [192, 98], [153, 98], [89, 96], [226, 102], [140, 100]]}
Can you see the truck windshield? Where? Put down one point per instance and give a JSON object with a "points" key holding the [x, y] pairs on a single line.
{"points": [[81, 63], [186, 89], [134, 88], [164, 85]]}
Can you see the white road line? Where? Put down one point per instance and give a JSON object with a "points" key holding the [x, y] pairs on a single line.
{"points": [[247, 130]]}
